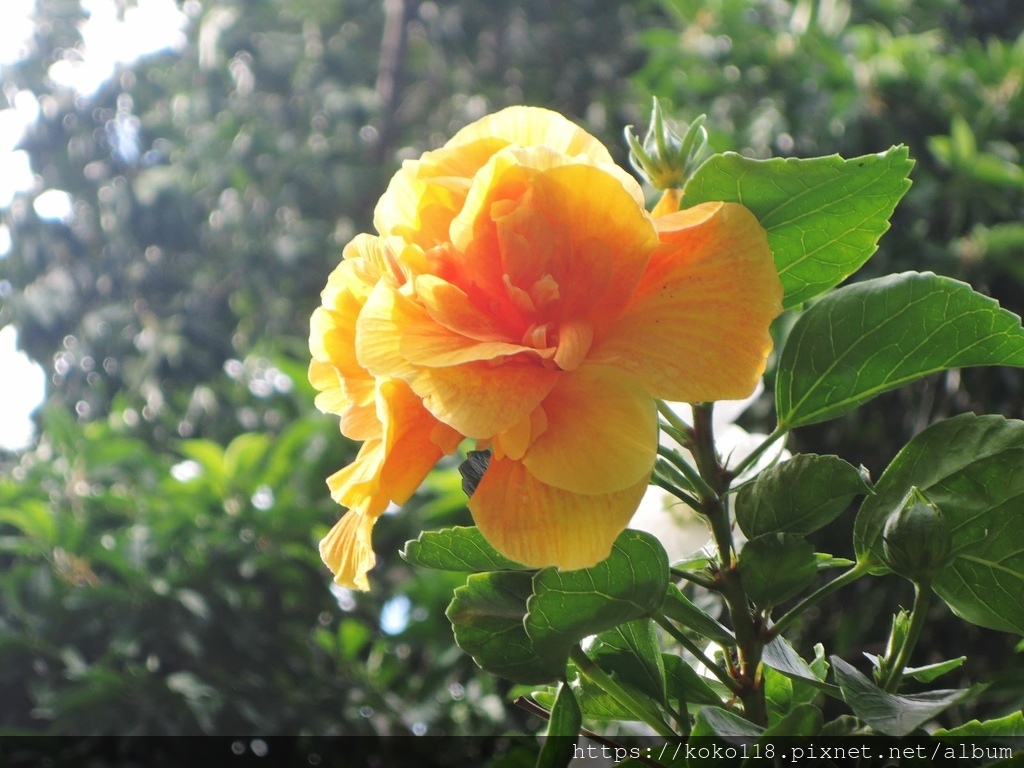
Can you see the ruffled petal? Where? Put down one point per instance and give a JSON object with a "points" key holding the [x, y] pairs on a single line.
{"points": [[480, 399], [601, 435], [347, 550], [533, 127], [539, 525], [697, 327], [396, 335]]}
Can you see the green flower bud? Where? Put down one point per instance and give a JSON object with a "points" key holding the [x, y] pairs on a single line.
{"points": [[665, 159], [916, 539]]}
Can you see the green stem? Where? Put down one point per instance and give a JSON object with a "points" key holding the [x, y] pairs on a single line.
{"points": [[754, 455], [673, 418], [642, 709], [702, 657], [692, 475], [922, 598], [680, 494], [696, 578], [824, 591]]}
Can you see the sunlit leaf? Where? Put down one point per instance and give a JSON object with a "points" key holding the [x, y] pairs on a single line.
{"points": [[878, 335]]}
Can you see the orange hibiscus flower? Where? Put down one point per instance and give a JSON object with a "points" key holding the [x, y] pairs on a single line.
{"points": [[519, 294]]}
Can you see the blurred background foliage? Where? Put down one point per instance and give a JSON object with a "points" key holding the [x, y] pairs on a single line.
{"points": [[157, 542]]}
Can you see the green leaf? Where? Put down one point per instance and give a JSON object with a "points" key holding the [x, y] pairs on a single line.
{"points": [[456, 549], [886, 712], [871, 337], [782, 657], [487, 616], [803, 720], [823, 216], [32, 518], [930, 672], [567, 606], [778, 694], [775, 567], [684, 684], [630, 651], [565, 721], [798, 496], [721, 723], [969, 466], [1011, 725], [679, 608]]}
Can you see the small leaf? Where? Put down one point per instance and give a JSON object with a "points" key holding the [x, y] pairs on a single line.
{"points": [[886, 712], [970, 467], [775, 567], [798, 496], [871, 337], [824, 216], [721, 723], [456, 549], [930, 672], [631, 652], [1011, 725], [778, 694], [565, 721], [567, 606], [685, 684], [825, 561], [679, 608], [802, 721], [487, 616], [781, 656]]}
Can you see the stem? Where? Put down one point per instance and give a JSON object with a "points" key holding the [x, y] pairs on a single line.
{"points": [[748, 628], [673, 418], [599, 677], [922, 597], [702, 657], [754, 455], [696, 578], [691, 474], [824, 591]]}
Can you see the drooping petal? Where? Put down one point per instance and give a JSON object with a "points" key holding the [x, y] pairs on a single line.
{"points": [[697, 327], [347, 550], [601, 435], [539, 525]]}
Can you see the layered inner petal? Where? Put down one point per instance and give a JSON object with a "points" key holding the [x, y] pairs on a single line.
{"points": [[601, 433], [479, 399], [539, 525], [697, 326]]}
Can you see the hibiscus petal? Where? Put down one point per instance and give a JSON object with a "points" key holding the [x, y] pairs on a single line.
{"points": [[539, 525], [347, 550], [697, 326], [395, 335], [411, 449], [601, 436], [480, 399], [612, 240], [533, 126]]}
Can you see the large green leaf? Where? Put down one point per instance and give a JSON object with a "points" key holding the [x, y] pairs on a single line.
{"points": [[782, 657], [487, 615], [871, 337], [970, 467], [456, 549], [1011, 725], [686, 685], [886, 712], [567, 606], [798, 496], [823, 216], [775, 567]]}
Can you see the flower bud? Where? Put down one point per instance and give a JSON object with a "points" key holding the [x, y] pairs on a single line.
{"points": [[916, 539], [665, 159]]}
